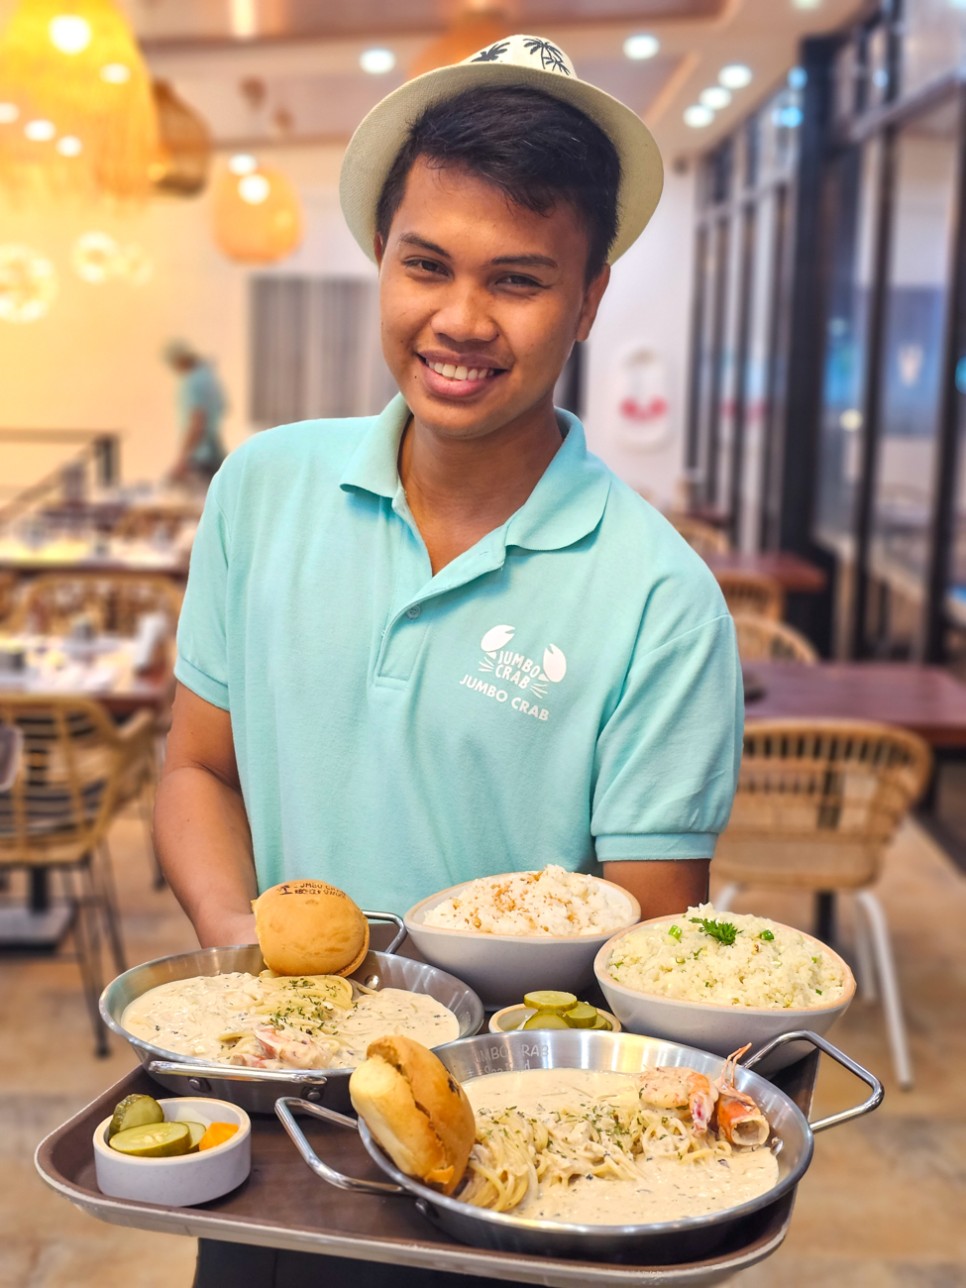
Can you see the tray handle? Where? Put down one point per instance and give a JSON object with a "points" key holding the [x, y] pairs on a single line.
{"points": [[284, 1109], [824, 1045], [398, 922], [198, 1074]]}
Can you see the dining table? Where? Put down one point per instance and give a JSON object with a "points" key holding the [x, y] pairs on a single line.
{"points": [[124, 679], [95, 553], [796, 574]]}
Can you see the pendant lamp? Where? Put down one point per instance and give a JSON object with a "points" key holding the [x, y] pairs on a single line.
{"points": [[76, 108], [184, 152], [478, 23], [257, 215]]}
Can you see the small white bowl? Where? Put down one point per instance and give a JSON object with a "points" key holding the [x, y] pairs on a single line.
{"points": [[186, 1179], [715, 1026], [501, 968], [503, 1021]]}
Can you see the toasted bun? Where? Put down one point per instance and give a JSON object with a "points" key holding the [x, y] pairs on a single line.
{"points": [[415, 1109], [310, 928]]}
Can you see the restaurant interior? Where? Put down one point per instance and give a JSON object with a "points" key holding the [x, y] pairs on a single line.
{"points": [[778, 365]]}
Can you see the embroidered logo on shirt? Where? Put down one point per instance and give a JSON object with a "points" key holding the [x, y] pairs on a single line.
{"points": [[512, 670]]}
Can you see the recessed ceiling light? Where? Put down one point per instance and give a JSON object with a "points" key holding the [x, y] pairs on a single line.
{"points": [[735, 76], [716, 97], [807, 4], [640, 46], [697, 116], [377, 61]]}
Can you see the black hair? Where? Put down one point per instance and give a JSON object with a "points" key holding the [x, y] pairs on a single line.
{"points": [[538, 150]]}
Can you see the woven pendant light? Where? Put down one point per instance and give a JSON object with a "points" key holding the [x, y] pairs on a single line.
{"points": [[75, 100], [184, 153], [478, 24], [257, 215]]}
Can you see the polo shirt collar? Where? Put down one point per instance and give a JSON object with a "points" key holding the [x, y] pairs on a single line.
{"points": [[565, 506]]}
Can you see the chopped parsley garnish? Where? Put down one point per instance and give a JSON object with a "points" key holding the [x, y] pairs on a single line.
{"points": [[724, 931]]}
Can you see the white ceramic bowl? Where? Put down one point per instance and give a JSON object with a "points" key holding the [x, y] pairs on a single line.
{"points": [[501, 968], [186, 1179], [510, 1018], [712, 1026]]}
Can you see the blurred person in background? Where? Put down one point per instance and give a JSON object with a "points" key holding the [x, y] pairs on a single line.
{"points": [[201, 409]]}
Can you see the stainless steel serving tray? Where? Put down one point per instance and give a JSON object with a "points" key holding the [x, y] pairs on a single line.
{"points": [[657, 1243], [257, 1089]]}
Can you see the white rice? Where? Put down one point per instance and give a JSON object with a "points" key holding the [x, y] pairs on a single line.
{"points": [[681, 960], [550, 902]]}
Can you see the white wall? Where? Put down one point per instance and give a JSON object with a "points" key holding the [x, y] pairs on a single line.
{"points": [[646, 307], [93, 361]]}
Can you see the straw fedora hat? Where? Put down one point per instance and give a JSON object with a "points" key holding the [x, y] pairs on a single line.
{"points": [[516, 60]]}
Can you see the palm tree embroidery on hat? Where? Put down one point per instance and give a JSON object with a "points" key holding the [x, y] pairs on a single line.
{"points": [[552, 59]]}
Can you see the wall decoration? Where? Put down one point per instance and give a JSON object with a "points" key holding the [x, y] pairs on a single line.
{"points": [[28, 284], [642, 398]]}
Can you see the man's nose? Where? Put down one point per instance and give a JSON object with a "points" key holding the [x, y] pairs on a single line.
{"points": [[464, 314]]}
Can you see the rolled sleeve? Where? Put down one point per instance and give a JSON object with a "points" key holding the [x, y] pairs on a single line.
{"points": [[667, 759]]}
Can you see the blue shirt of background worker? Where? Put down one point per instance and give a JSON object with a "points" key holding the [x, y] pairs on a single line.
{"points": [[201, 408]]}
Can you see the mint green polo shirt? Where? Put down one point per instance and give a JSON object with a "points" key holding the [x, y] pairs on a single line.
{"points": [[567, 690]]}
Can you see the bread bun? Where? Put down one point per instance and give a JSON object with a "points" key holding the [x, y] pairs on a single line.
{"points": [[415, 1109], [310, 928]]}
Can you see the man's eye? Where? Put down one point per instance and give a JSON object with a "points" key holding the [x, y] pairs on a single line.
{"points": [[520, 282], [424, 265]]}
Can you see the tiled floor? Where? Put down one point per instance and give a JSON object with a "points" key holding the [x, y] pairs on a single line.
{"points": [[881, 1206]]}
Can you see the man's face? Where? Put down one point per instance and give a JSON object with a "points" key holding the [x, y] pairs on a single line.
{"points": [[481, 303]]}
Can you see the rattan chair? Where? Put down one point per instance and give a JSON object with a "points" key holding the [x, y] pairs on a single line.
{"points": [[818, 803], [752, 592], [762, 639], [703, 537], [75, 770], [8, 596], [155, 522], [113, 601]]}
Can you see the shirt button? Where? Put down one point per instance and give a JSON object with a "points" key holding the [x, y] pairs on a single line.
{"points": [[414, 611]]}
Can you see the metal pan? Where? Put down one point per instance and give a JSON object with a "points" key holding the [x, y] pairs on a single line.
{"points": [[658, 1243], [257, 1089]]}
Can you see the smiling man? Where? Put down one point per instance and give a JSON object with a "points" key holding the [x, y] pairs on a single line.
{"points": [[446, 641]]}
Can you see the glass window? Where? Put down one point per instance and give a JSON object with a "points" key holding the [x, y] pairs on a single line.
{"points": [[910, 396], [877, 66], [844, 76], [728, 372], [934, 40], [840, 444], [756, 374]]}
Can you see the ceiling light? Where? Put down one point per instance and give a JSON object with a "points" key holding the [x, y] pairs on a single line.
{"points": [[8, 113], [69, 146], [797, 78], [254, 188], [242, 163], [115, 73], [70, 33], [807, 4], [641, 46], [40, 131], [697, 116], [377, 61], [716, 97], [851, 419], [735, 76]]}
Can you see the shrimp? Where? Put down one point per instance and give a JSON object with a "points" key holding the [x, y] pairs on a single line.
{"points": [[674, 1087], [739, 1118], [293, 1050]]}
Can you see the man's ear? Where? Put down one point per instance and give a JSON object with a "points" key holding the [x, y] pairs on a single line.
{"points": [[378, 248], [593, 295]]}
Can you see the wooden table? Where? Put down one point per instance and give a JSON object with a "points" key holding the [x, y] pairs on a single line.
{"points": [[798, 576], [923, 699], [65, 555]]}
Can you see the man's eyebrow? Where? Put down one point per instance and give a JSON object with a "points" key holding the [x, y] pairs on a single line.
{"points": [[502, 261]]}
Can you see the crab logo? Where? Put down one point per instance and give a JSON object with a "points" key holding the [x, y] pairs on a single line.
{"points": [[520, 670]]}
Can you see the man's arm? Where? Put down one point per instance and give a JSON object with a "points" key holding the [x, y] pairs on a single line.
{"points": [[662, 886], [194, 434], [201, 828]]}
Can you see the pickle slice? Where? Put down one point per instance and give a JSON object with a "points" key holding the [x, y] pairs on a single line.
{"points": [[550, 999], [581, 1016], [157, 1140], [135, 1111], [195, 1133], [545, 1020], [602, 1023]]}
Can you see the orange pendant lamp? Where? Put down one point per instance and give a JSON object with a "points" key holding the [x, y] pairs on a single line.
{"points": [[257, 214], [76, 108], [478, 23]]}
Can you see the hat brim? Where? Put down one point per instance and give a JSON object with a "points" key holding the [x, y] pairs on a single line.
{"points": [[380, 136]]}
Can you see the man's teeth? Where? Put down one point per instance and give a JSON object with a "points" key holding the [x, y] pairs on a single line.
{"points": [[459, 373]]}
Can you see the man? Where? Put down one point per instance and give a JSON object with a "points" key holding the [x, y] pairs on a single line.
{"points": [[446, 641], [201, 408]]}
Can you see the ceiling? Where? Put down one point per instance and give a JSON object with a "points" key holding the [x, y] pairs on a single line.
{"points": [[304, 55]]}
